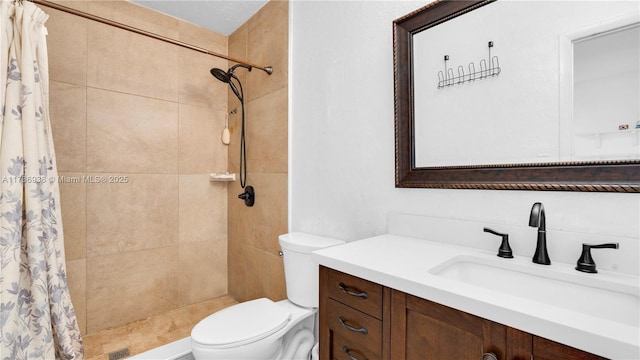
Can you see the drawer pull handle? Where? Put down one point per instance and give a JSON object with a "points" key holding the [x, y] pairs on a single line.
{"points": [[348, 291], [347, 351], [489, 356], [351, 328]]}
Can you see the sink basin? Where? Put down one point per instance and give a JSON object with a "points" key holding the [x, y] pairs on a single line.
{"points": [[602, 296]]}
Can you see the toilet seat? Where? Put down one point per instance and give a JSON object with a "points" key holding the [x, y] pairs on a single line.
{"points": [[241, 324]]}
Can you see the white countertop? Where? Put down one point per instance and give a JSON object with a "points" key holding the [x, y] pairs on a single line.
{"points": [[403, 263]]}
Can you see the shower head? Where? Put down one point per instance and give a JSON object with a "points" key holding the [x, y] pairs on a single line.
{"points": [[220, 75], [228, 75]]}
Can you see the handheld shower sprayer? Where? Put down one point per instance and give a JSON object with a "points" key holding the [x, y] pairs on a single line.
{"points": [[230, 78]]}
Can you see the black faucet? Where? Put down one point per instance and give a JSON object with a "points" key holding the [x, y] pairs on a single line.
{"points": [[537, 219]]}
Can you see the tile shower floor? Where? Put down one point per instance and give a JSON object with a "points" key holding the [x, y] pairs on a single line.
{"points": [[144, 335]]}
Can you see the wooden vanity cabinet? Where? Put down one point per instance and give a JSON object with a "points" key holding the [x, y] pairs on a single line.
{"points": [[400, 326], [545, 349], [354, 317]]}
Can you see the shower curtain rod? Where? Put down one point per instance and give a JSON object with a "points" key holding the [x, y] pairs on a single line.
{"points": [[267, 69]]}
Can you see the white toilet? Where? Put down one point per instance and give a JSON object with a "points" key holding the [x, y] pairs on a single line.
{"points": [[265, 330]]}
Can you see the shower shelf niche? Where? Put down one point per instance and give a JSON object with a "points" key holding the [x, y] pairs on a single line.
{"points": [[222, 177]]}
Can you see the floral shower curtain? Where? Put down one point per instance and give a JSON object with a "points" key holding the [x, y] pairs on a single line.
{"points": [[37, 320]]}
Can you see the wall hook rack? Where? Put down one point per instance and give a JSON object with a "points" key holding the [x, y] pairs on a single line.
{"points": [[487, 69]]}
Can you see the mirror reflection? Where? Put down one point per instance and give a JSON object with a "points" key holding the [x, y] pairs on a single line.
{"points": [[606, 89], [525, 114]]}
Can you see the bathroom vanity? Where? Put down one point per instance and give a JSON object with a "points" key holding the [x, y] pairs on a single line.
{"points": [[395, 297], [360, 319]]}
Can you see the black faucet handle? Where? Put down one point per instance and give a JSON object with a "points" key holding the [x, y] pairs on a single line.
{"points": [[585, 262], [505, 249]]}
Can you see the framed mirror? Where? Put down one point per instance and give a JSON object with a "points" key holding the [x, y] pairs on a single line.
{"points": [[485, 100]]}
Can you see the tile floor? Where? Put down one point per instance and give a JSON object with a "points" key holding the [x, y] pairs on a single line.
{"points": [[155, 331]]}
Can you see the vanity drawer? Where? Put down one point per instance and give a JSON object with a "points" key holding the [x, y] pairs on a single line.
{"points": [[358, 329], [345, 350], [355, 292]]}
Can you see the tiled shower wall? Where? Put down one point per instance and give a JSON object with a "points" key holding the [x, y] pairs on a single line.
{"points": [[255, 269], [146, 116]]}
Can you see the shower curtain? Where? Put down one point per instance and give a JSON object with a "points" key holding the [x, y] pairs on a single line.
{"points": [[37, 320]]}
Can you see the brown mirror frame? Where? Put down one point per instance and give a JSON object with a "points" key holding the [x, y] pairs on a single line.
{"points": [[607, 176]]}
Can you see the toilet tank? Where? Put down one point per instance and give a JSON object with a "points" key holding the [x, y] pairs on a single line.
{"points": [[300, 271]]}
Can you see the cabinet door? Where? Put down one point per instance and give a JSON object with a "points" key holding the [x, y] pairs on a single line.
{"points": [[544, 349], [429, 331]]}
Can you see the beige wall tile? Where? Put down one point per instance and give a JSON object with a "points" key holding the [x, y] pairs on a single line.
{"points": [[254, 268], [254, 273], [259, 226], [126, 287], [139, 214], [264, 275], [233, 149], [73, 202], [68, 112], [237, 269], [67, 47], [241, 217], [238, 42], [267, 45], [254, 280], [197, 85], [203, 38], [201, 149], [203, 271], [127, 133], [132, 14], [152, 71], [74, 4], [77, 278], [270, 212], [238, 49], [266, 131], [202, 209], [275, 287]]}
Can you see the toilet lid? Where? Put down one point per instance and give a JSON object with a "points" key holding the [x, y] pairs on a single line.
{"points": [[241, 324]]}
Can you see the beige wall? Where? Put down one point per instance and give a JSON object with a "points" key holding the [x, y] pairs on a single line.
{"points": [[127, 105], [255, 269]]}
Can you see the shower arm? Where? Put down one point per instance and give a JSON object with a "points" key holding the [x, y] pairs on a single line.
{"points": [[56, 6]]}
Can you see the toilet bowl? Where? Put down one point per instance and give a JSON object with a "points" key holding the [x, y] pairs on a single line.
{"points": [[253, 330], [262, 329]]}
